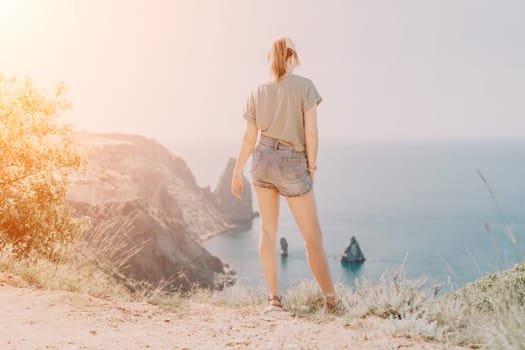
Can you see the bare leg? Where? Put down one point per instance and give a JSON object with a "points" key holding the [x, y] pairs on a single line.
{"points": [[304, 210], [268, 203]]}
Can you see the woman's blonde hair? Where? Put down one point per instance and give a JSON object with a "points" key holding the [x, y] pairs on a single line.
{"points": [[278, 55]]}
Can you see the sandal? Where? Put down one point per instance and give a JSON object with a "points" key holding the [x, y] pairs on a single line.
{"points": [[274, 303], [335, 306]]}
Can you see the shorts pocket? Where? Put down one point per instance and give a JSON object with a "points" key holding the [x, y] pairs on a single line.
{"points": [[256, 160], [293, 168]]}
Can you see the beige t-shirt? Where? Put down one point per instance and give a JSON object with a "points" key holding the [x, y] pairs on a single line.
{"points": [[277, 108]]}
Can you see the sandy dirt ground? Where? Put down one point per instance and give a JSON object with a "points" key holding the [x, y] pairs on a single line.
{"points": [[42, 319]]}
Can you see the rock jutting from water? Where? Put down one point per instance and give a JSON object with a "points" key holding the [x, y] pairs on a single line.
{"points": [[352, 253], [284, 246]]}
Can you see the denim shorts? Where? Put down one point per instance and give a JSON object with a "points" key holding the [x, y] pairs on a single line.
{"points": [[277, 165]]}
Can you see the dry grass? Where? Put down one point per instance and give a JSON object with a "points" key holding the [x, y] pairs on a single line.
{"points": [[413, 308], [93, 265], [71, 272], [236, 296], [488, 313]]}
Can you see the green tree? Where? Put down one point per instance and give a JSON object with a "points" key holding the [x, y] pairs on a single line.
{"points": [[37, 153]]}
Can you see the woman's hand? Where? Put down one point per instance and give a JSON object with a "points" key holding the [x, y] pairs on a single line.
{"points": [[311, 173], [237, 185]]}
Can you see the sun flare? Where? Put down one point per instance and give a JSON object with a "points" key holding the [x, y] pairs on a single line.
{"points": [[17, 16], [8, 10]]}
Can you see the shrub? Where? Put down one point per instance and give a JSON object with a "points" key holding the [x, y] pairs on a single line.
{"points": [[37, 151]]}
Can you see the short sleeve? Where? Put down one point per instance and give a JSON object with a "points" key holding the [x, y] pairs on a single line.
{"points": [[249, 109], [312, 96]]}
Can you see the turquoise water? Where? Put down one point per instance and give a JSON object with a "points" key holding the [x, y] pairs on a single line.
{"points": [[422, 202]]}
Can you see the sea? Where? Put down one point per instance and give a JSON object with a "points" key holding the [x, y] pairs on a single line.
{"points": [[452, 210]]}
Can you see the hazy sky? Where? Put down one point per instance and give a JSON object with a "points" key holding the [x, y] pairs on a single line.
{"points": [[183, 69]]}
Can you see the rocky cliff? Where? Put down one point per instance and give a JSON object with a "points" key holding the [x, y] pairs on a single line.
{"points": [[150, 246], [124, 167], [130, 173]]}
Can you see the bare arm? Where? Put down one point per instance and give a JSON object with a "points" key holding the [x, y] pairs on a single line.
{"points": [[248, 144], [311, 137]]}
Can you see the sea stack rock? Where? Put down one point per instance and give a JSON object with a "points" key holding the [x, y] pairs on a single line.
{"points": [[284, 246], [352, 253], [234, 210]]}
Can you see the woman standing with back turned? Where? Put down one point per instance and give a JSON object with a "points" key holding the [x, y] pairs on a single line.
{"points": [[284, 163]]}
